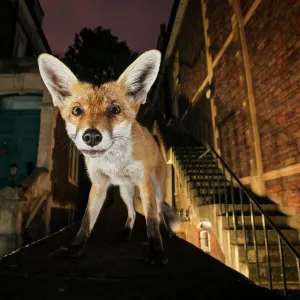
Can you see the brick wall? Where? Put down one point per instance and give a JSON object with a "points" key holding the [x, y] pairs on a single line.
{"points": [[273, 38], [191, 47], [198, 121], [192, 235], [245, 6], [219, 15], [232, 119], [286, 190]]}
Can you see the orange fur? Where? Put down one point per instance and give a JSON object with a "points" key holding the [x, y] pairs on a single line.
{"points": [[125, 153]]}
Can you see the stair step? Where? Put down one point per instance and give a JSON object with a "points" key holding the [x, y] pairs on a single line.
{"points": [[288, 256], [206, 191], [198, 201], [210, 183], [202, 171], [276, 275], [189, 149], [289, 233], [196, 161], [278, 218], [197, 178], [185, 159], [191, 154], [200, 165], [269, 207]]}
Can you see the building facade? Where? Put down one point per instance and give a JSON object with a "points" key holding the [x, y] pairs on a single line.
{"points": [[249, 52], [40, 170], [230, 76]]}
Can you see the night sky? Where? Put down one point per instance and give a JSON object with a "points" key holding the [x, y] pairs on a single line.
{"points": [[136, 21]]}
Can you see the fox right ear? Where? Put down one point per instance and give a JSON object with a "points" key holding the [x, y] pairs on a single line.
{"points": [[57, 77], [138, 78]]}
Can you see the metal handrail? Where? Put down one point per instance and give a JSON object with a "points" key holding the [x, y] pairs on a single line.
{"points": [[289, 245], [205, 188]]}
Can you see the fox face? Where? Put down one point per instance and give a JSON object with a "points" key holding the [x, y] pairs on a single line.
{"points": [[99, 117]]}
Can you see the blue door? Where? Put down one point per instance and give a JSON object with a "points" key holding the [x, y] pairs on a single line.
{"points": [[19, 136]]}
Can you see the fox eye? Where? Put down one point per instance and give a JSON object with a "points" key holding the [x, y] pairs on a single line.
{"points": [[115, 110], [77, 111]]}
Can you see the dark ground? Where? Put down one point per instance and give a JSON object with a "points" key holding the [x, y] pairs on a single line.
{"points": [[113, 269]]}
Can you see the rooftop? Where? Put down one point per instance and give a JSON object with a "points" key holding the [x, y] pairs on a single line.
{"points": [[113, 269]]}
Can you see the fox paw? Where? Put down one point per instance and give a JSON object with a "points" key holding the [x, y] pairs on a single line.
{"points": [[157, 257], [125, 234]]}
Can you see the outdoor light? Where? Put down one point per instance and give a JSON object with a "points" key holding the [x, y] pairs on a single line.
{"points": [[210, 90], [205, 225], [13, 169]]}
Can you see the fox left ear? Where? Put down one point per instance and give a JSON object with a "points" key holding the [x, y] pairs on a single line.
{"points": [[138, 78], [57, 77]]}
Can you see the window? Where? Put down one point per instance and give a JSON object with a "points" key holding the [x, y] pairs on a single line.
{"points": [[20, 102], [205, 241], [73, 164]]}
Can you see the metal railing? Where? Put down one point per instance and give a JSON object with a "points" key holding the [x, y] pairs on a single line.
{"points": [[263, 238], [265, 250]]}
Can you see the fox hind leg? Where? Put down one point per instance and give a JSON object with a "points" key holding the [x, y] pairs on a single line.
{"points": [[159, 180], [156, 250]]}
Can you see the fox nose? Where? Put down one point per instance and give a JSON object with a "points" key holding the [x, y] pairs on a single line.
{"points": [[92, 137]]}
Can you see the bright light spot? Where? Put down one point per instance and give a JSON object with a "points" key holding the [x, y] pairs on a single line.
{"points": [[205, 225]]}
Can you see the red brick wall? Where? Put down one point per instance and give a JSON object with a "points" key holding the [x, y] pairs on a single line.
{"points": [[273, 41], [273, 38], [193, 236], [219, 23], [232, 119], [198, 121], [245, 6], [193, 76], [286, 190], [191, 47]]}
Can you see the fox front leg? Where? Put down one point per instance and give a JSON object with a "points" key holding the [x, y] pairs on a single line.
{"points": [[156, 250], [96, 199], [127, 194]]}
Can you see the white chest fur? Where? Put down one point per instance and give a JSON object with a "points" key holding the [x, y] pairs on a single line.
{"points": [[118, 165]]}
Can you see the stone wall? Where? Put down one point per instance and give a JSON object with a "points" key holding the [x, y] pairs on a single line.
{"points": [[11, 207]]}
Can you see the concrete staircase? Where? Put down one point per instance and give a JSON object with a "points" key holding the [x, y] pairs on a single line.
{"points": [[238, 224], [211, 193]]}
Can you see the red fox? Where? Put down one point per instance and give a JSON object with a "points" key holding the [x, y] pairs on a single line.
{"points": [[100, 120]]}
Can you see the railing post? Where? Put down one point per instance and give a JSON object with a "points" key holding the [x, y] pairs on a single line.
{"points": [[267, 251], [282, 266]]}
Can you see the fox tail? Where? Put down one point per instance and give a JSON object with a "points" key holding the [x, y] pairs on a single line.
{"points": [[173, 221]]}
